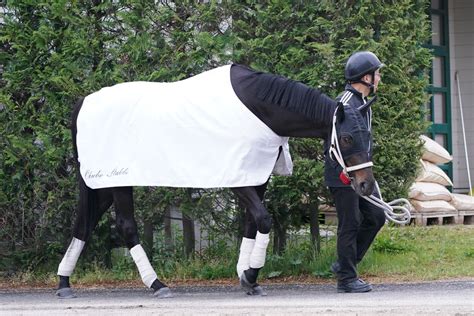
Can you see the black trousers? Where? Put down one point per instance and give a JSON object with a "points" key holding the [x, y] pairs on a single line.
{"points": [[358, 223]]}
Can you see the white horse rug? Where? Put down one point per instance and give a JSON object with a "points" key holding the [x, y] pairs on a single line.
{"points": [[191, 133]]}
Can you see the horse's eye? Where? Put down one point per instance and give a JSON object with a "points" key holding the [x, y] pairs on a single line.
{"points": [[346, 139]]}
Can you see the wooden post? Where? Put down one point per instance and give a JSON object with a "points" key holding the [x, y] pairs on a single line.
{"points": [[279, 238], [167, 229], [314, 226], [148, 237], [188, 236]]}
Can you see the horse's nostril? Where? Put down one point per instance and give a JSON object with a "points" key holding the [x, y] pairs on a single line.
{"points": [[365, 188]]}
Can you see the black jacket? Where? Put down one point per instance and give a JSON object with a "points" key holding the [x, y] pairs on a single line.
{"points": [[332, 169]]}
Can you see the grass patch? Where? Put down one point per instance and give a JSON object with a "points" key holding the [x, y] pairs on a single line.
{"points": [[397, 254], [421, 253]]}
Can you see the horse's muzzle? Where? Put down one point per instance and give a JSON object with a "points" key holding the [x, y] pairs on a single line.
{"points": [[365, 187]]}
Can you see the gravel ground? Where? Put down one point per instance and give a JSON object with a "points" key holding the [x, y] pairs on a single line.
{"points": [[439, 298]]}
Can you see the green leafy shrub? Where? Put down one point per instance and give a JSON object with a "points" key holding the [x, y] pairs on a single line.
{"points": [[54, 52]]}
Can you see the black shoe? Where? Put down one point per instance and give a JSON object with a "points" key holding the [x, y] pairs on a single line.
{"points": [[335, 267], [356, 286]]}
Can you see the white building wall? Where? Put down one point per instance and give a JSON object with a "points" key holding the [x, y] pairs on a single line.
{"points": [[461, 37]]}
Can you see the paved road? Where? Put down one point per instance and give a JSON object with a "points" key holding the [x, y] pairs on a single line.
{"points": [[438, 298]]}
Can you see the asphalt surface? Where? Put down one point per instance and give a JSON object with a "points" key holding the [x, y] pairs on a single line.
{"points": [[436, 298]]}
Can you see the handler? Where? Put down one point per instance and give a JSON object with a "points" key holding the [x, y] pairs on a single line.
{"points": [[358, 220]]}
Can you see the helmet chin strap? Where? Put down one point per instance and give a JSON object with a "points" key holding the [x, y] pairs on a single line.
{"points": [[396, 211], [370, 85]]}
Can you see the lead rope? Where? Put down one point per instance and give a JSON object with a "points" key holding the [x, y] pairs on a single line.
{"points": [[396, 211]]}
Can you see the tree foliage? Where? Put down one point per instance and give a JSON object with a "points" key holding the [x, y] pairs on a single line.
{"points": [[53, 52]]}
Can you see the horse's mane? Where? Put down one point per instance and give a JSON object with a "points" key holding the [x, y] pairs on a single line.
{"points": [[294, 96]]}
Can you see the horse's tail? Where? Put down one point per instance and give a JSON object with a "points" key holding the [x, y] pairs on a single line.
{"points": [[88, 205], [87, 197], [74, 115], [89, 209]]}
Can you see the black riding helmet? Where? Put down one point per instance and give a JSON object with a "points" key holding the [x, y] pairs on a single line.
{"points": [[360, 64]]}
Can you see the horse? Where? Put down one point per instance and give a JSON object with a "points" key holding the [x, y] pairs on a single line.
{"points": [[226, 127]]}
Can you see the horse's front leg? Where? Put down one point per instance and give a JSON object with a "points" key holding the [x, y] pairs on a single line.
{"points": [[256, 237], [127, 226]]}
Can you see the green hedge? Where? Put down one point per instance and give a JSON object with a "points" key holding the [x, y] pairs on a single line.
{"points": [[311, 42], [56, 51]]}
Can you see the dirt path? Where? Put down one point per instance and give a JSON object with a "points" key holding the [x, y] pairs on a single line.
{"points": [[442, 298]]}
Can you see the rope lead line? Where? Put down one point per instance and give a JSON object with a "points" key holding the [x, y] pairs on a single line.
{"points": [[401, 205]]}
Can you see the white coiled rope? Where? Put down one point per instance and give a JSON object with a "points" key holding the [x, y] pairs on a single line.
{"points": [[396, 211]]}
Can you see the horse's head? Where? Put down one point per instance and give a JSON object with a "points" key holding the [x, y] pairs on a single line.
{"points": [[350, 141]]}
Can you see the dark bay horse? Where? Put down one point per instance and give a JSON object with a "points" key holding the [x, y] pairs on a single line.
{"points": [[279, 106]]}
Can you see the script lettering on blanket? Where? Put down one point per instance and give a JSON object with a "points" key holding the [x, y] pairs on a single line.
{"points": [[118, 172], [94, 174], [99, 173]]}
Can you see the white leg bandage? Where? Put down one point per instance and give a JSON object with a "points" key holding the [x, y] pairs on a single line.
{"points": [[144, 267], [257, 258], [244, 257], [69, 261]]}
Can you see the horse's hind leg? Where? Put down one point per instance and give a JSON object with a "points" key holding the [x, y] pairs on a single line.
{"points": [[256, 237], [92, 205], [127, 226]]}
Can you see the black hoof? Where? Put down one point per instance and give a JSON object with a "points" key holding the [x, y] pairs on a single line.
{"points": [[65, 293], [257, 290], [251, 288], [164, 292]]}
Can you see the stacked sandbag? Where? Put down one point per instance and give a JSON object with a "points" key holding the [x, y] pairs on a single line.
{"points": [[429, 193], [431, 173], [428, 197], [434, 152], [463, 202]]}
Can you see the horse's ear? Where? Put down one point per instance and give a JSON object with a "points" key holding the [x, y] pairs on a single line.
{"points": [[364, 108], [340, 112]]}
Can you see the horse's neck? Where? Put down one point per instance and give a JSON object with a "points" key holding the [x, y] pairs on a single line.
{"points": [[288, 122], [288, 107], [284, 122]]}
